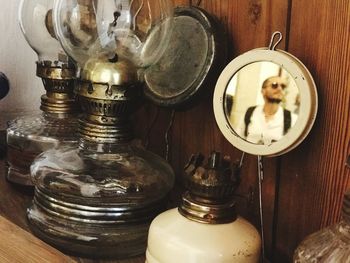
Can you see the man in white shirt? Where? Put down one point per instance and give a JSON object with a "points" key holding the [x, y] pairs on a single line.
{"points": [[265, 124]]}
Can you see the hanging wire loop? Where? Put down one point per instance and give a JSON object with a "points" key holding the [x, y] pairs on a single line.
{"points": [[276, 38]]}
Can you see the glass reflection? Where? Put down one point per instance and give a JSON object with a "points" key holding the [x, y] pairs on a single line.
{"points": [[262, 102]]}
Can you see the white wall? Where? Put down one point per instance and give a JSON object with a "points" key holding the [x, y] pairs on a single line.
{"points": [[17, 61]]}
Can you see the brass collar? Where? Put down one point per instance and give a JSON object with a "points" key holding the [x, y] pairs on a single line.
{"points": [[59, 82], [207, 213]]}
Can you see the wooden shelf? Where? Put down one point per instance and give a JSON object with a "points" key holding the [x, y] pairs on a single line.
{"points": [[14, 201]]}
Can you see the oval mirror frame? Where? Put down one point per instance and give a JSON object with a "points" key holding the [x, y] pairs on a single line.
{"points": [[307, 110]]}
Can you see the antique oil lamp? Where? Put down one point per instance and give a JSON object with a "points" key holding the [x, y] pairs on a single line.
{"points": [[205, 227], [99, 198], [27, 136]]}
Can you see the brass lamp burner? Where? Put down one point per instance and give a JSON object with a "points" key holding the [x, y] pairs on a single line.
{"points": [[211, 189], [108, 94], [59, 85]]}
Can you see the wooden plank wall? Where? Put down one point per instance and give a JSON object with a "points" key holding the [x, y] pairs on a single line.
{"points": [[314, 177], [302, 189]]}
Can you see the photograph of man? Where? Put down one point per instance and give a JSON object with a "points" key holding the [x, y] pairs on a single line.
{"points": [[268, 123]]}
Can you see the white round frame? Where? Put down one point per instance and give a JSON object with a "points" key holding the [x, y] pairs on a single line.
{"points": [[308, 101]]}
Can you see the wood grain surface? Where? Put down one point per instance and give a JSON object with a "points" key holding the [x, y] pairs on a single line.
{"points": [[17, 245], [314, 176]]}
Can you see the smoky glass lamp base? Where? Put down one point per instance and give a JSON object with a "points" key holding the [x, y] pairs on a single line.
{"points": [[98, 200]]}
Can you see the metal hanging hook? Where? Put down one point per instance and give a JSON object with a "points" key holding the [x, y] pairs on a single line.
{"points": [[241, 160], [167, 135], [273, 44], [261, 179]]}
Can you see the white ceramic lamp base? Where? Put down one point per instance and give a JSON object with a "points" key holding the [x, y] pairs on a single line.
{"points": [[174, 238]]}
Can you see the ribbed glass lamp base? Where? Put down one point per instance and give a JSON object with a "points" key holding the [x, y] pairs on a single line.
{"points": [[28, 136]]}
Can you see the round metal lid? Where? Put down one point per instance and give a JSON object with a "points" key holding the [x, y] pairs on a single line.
{"points": [[190, 59]]}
